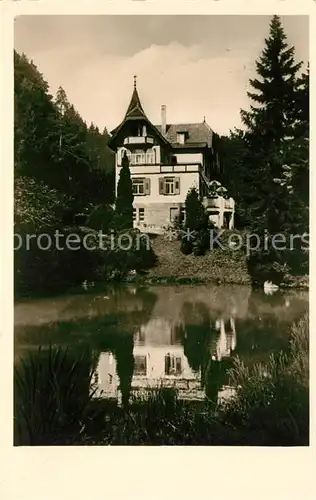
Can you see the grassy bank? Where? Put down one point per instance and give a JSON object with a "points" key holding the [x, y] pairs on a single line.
{"points": [[217, 266], [53, 404]]}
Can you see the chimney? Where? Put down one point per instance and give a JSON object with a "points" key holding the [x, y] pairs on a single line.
{"points": [[163, 119]]}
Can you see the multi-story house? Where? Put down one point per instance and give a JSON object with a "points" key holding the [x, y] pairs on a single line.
{"points": [[165, 161]]}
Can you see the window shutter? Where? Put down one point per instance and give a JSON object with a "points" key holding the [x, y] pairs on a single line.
{"points": [[147, 186], [177, 185], [167, 364], [161, 185]]}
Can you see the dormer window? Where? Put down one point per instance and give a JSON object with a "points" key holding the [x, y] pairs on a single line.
{"points": [[180, 137]]}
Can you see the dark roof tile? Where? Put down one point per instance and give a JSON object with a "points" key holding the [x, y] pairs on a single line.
{"points": [[196, 134]]}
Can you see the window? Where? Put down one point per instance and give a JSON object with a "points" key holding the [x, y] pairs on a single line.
{"points": [[141, 186], [173, 365], [180, 137], [151, 156], [141, 215], [135, 129], [139, 157], [138, 186], [138, 215], [169, 185], [140, 365], [174, 213], [182, 214], [143, 158]]}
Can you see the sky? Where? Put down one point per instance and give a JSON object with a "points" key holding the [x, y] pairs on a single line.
{"points": [[198, 66]]}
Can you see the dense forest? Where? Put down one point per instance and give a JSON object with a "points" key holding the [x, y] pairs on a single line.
{"points": [[55, 146]]}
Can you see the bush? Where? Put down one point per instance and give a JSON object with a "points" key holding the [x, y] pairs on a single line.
{"points": [[278, 266], [186, 246], [201, 242], [137, 256], [44, 271], [39, 271]]}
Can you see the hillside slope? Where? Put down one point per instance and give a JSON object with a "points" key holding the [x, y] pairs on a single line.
{"points": [[216, 266]]}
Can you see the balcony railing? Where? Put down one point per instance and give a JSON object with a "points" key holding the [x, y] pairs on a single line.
{"points": [[138, 140], [139, 168], [218, 202], [211, 202]]}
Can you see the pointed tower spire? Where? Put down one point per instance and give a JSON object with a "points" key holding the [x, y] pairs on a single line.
{"points": [[135, 108]]}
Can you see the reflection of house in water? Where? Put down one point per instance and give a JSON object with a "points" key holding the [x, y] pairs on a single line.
{"points": [[165, 366], [106, 377], [226, 342], [160, 360]]}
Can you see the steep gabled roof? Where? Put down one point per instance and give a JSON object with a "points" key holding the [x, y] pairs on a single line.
{"points": [[135, 109], [197, 134]]}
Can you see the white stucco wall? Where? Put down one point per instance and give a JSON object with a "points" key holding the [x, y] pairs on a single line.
{"points": [[189, 157], [187, 180]]}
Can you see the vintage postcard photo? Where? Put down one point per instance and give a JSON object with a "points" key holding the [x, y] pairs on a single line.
{"points": [[161, 230]]}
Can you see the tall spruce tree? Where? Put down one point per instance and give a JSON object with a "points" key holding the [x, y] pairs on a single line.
{"points": [[272, 135], [270, 131], [125, 197], [300, 164]]}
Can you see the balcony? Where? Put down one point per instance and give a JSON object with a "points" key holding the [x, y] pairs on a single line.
{"points": [[219, 203], [142, 164], [211, 202], [136, 141]]}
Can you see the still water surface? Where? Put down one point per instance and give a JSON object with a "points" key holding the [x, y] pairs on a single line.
{"points": [[182, 336]]}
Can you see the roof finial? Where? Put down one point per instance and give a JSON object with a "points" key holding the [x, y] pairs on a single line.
{"points": [[135, 77]]}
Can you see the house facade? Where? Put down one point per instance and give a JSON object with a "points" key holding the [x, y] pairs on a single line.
{"points": [[165, 161]]}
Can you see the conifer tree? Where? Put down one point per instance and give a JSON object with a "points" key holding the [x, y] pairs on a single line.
{"points": [[270, 133], [195, 218], [270, 128], [125, 197], [273, 149], [300, 165], [196, 237]]}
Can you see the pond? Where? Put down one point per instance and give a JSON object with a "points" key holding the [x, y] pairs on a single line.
{"points": [[176, 336]]}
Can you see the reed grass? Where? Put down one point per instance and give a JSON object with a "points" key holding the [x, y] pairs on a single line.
{"points": [[52, 394], [272, 399]]}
